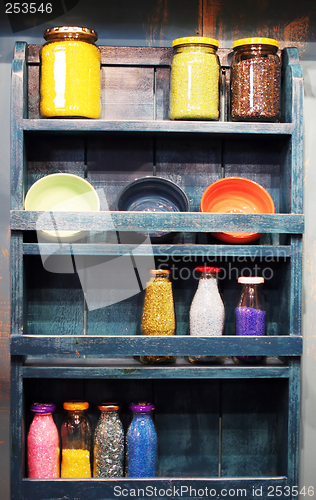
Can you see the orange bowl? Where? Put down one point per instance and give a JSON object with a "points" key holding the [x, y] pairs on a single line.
{"points": [[237, 195]]}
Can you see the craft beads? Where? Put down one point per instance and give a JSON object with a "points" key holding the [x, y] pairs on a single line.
{"points": [[141, 444], [207, 312], [255, 80], [109, 443], [250, 321], [76, 440], [194, 87], [70, 77], [75, 463], [43, 445], [158, 312]]}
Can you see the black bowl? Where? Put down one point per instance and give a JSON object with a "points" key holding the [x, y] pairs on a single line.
{"points": [[153, 194]]}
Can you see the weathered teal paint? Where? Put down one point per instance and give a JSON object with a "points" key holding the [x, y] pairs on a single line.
{"points": [[266, 407], [150, 221]]}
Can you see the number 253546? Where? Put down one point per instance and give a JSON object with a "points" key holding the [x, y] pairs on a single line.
{"points": [[28, 8]]}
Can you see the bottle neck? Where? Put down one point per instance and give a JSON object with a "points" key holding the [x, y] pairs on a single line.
{"points": [[76, 415], [208, 279], [142, 415], [37, 415], [252, 296], [159, 279], [252, 289], [105, 415]]}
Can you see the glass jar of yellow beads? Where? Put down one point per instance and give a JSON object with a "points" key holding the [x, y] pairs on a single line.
{"points": [[70, 73], [76, 435], [158, 313], [194, 85]]}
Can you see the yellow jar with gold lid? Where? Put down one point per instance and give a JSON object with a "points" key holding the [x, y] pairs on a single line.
{"points": [[70, 73], [194, 87]]}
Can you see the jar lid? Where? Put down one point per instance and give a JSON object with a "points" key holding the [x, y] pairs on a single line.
{"points": [[70, 32], [251, 280], [208, 269], [76, 405], [43, 407], [109, 406], [142, 407], [255, 41], [166, 272], [195, 39]]}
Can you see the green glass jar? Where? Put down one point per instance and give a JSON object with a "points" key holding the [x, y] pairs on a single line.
{"points": [[194, 87]]}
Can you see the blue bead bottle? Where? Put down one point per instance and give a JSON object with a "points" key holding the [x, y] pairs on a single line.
{"points": [[250, 314], [141, 442]]}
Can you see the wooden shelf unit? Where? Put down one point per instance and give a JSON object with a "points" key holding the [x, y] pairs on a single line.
{"points": [[219, 427]]}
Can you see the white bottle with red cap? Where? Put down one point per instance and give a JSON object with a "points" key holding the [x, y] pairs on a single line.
{"points": [[207, 312]]}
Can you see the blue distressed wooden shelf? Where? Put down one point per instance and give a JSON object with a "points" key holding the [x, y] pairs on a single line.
{"points": [[250, 414], [156, 126], [157, 221], [254, 251], [126, 368], [129, 345], [96, 489]]}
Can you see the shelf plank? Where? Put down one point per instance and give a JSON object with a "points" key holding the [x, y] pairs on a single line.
{"points": [[220, 251], [131, 369], [123, 56], [129, 56], [157, 221], [95, 489], [155, 126], [138, 345]]}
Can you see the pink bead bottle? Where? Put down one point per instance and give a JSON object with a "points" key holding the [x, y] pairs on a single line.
{"points": [[43, 443]]}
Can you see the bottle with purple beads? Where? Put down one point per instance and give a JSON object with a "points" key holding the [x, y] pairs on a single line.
{"points": [[43, 443], [207, 313], [141, 442], [250, 314]]}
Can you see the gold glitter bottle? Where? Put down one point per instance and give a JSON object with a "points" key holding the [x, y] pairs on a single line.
{"points": [[158, 313], [70, 79]]}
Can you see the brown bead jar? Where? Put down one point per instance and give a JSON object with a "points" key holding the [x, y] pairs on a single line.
{"points": [[255, 80]]}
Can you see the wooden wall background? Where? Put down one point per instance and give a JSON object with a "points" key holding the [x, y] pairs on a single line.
{"points": [[157, 23]]}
